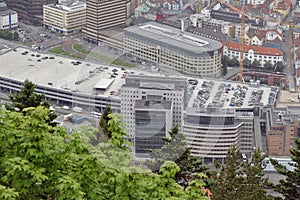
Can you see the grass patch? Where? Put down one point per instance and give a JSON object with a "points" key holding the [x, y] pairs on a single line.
{"points": [[101, 57], [80, 49], [61, 51], [122, 63]]}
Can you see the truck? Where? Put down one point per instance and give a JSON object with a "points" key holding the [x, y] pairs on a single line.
{"points": [[77, 109]]}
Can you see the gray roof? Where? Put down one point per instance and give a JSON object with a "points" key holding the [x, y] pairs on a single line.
{"points": [[166, 36]]}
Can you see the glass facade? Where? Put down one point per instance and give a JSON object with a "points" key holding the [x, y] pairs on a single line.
{"points": [[150, 129]]}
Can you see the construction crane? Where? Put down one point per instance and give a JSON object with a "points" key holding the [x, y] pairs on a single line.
{"points": [[242, 37]]}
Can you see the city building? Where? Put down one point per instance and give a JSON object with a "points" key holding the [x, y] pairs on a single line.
{"points": [[153, 121], [131, 5], [282, 128], [212, 132], [222, 114], [150, 103], [8, 18], [169, 47], [170, 92], [261, 54], [65, 18], [29, 11], [260, 37], [102, 15]]}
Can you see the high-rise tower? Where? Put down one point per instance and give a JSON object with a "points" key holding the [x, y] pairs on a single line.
{"points": [[103, 14]]}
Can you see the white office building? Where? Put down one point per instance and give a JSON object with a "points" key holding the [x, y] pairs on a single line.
{"points": [[169, 47], [153, 94], [8, 18]]}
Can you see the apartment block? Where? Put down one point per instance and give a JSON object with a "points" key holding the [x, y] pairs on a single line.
{"points": [[65, 18], [103, 14]]}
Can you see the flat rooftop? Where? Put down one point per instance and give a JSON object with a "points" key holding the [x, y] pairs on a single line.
{"points": [[226, 94], [174, 37], [83, 77], [63, 73]]}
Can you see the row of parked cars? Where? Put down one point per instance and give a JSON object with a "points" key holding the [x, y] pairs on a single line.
{"points": [[204, 93], [255, 97], [238, 96]]}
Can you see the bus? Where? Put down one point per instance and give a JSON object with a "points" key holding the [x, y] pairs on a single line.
{"points": [[96, 114]]}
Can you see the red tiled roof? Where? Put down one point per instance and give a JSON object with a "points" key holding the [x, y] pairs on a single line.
{"points": [[282, 6], [169, 1], [260, 34], [257, 49], [289, 3]]}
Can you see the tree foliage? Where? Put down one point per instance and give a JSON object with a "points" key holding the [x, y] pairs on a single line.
{"points": [[240, 180], [255, 63], [247, 62], [8, 35], [279, 67], [290, 187], [268, 65], [175, 149], [28, 98], [38, 161], [103, 124]]}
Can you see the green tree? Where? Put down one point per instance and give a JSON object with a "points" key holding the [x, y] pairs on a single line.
{"points": [[28, 98], [279, 67], [240, 180], [290, 187], [247, 63], [255, 63], [233, 62], [103, 123], [16, 36], [268, 65], [175, 149], [225, 60], [38, 161]]}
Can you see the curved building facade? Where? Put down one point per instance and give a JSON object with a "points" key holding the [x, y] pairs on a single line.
{"points": [[169, 47], [210, 133]]}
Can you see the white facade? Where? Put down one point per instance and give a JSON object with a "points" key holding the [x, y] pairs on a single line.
{"points": [[8, 19], [212, 134], [65, 19], [255, 2], [147, 88], [272, 35], [261, 54]]}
